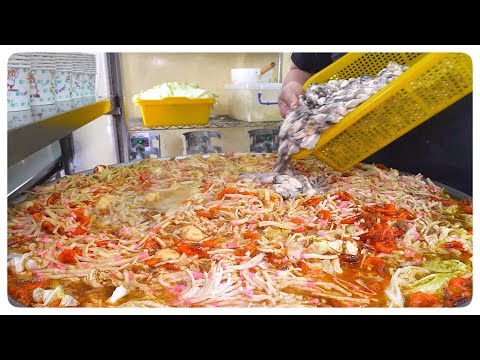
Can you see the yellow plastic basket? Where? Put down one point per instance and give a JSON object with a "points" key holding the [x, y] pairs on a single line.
{"points": [[175, 111], [433, 82]]}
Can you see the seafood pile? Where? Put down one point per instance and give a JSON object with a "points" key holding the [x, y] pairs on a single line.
{"points": [[288, 186], [324, 105]]}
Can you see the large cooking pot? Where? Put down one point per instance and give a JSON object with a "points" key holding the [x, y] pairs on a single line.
{"points": [[20, 197]]}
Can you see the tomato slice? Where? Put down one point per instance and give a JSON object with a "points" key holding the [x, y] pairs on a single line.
{"points": [[250, 247], [404, 214], [388, 235], [247, 193], [78, 212], [388, 209], [144, 175], [169, 266], [251, 235], [48, 227], [79, 231], [227, 191], [377, 264], [344, 195], [385, 247], [303, 265], [466, 206], [351, 220], [151, 245], [210, 243], [53, 199], [191, 250], [461, 283], [151, 262], [457, 245], [101, 243], [324, 214], [68, 257], [36, 207], [206, 215], [37, 216], [423, 299], [215, 209], [312, 202]]}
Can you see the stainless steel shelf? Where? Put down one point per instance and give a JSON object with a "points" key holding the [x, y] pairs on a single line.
{"points": [[32, 130], [223, 121]]}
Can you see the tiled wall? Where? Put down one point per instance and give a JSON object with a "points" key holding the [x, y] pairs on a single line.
{"points": [[209, 70]]}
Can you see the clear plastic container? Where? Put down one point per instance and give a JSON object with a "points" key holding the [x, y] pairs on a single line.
{"points": [[254, 101]]}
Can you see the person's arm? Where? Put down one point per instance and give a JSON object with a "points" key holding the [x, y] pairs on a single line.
{"points": [[292, 89]]}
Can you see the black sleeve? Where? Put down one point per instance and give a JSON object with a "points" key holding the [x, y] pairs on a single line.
{"points": [[312, 62]]}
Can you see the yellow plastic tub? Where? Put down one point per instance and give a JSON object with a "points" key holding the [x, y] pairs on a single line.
{"points": [[433, 82], [175, 111]]}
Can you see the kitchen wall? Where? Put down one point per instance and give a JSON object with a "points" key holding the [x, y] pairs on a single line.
{"points": [[211, 71], [286, 63]]}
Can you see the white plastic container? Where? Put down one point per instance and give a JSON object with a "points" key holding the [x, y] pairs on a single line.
{"points": [[249, 75], [254, 101], [243, 75]]}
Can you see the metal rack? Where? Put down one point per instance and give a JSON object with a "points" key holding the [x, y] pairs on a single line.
{"points": [[216, 122]]}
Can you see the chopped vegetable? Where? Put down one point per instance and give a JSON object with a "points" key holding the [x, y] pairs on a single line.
{"points": [[173, 88]]}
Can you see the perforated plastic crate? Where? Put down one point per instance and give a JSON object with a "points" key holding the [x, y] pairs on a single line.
{"points": [[433, 82]]}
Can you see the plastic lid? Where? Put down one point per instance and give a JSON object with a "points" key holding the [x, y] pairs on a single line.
{"points": [[250, 85]]}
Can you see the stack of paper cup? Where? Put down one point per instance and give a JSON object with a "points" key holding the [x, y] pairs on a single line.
{"points": [[78, 75], [63, 76], [40, 112], [18, 94], [64, 106], [18, 118], [41, 78], [89, 79]]}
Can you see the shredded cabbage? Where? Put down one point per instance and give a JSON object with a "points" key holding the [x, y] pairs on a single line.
{"points": [[445, 266], [173, 88]]}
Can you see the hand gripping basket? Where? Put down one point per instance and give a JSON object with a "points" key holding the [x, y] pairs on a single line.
{"points": [[433, 82]]}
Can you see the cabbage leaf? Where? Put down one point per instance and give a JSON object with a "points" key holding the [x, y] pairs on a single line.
{"points": [[429, 279]]}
